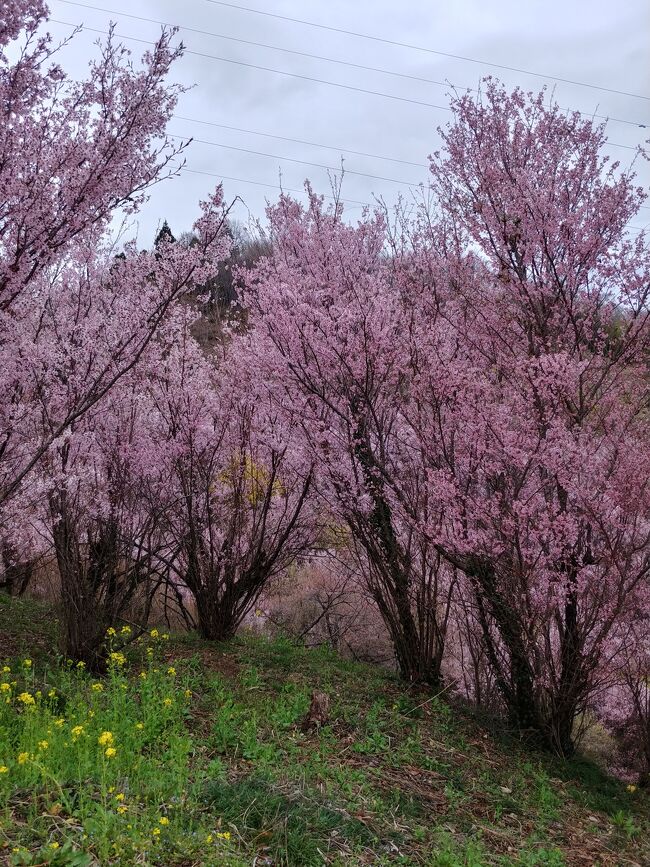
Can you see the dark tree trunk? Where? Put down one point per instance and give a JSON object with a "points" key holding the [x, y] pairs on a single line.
{"points": [[16, 574], [215, 618], [517, 686]]}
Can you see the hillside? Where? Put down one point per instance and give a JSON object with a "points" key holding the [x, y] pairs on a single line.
{"points": [[194, 754]]}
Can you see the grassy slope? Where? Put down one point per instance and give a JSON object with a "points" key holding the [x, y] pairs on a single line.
{"points": [[397, 777]]}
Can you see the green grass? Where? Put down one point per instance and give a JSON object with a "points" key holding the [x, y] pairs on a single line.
{"points": [[212, 765]]}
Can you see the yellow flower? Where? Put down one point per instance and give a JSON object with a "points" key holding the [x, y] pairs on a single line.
{"points": [[26, 699], [117, 658], [43, 745], [27, 663], [149, 651], [22, 758], [81, 664], [119, 796], [111, 789], [631, 789], [54, 845], [168, 702], [164, 820], [122, 809], [171, 671], [154, 633], [4, 687], [139, 726], [208, 839], [77, 731], [51, 693], [60, 722], [188, 693], [223, 835], [156, 832], [105, 738], [5, 669], [4, 769], [165, 636], [110, 631], [125, 630], [110, 753], [97, 687]]}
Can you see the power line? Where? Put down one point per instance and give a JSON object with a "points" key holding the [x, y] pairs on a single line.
{"points": [[284, 72], [270, 186], [426, 50], [303, 142], [300, 162], [311, 56], [270, 69]]}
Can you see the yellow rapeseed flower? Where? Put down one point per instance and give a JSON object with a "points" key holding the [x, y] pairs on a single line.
{"points": [[4, 769], [97, 687], [125, 630], [81, 664], [165, 636], [105, 738], [168, 702], [110, 753], [27, 663], [51, 693], [54, 845], [139, 726], [26, 698], [156, 832], [22, 758], [164, 820], [209, 838], [188, 693], [154, 633], [171, 671], [119, 796], [143, 675], [631, 789], [117, 658], [223, 835], [4, 687], [110, 631], [60, 722], [43, 745], [77, 731], [122, 809], [5, 669]]}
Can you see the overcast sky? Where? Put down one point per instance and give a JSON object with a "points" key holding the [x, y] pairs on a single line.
{"points": [[596, 42]]}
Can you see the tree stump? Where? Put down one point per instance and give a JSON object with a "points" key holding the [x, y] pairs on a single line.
{"points": [[318, 713]]}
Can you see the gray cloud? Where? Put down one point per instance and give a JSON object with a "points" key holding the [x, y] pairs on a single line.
{"points": [[584, 40]]}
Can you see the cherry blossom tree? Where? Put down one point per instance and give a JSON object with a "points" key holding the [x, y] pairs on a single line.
{"points": [[530, 403], [329, 320], [235, 491], [75, 319]]}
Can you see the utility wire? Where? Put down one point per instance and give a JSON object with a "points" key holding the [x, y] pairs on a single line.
{"points": [[270, 69], [385, 41], [303, 142], [300, 162], [271, 186], [307, 54], [284, 72]]}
